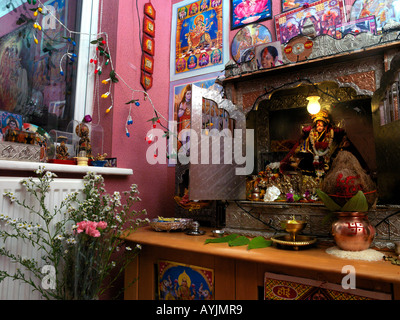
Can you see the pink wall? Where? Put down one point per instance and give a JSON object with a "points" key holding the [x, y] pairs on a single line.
{"points": [[155, 182], [120, 20]]}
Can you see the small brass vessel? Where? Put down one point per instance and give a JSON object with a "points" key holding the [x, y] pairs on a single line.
{"points": [[293, 227]]}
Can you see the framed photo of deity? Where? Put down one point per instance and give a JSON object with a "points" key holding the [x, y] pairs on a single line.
{"points": [[199, 38], [384, 11], [148, 45], [356, 27], [324, 14], [147, 63], [294, 4], [177, 281], [243, 43], [180, 104], [244, 12], [149, 26]]}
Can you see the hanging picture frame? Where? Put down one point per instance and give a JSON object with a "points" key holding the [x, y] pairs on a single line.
{"points": [[243, 43], [148, 45], [150, 11], [294, 4], [269, 55], [384, 11], [147, 63], [198, 31], [178, 95], [355, 27], [146, 80], [324, 14], [244, 12], [149, 26]]}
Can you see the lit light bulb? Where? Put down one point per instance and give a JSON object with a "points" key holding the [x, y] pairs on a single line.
{"points": [[313, 106]]}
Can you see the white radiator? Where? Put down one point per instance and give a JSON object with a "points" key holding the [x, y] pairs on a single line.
{"points": [[60, 188]]}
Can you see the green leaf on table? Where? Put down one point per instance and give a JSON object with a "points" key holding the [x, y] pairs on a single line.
{"points": [[239, 241], [222, 239], [259, 242]]}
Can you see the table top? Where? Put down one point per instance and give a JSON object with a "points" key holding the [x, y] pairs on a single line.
{"points": [[313, 258]]}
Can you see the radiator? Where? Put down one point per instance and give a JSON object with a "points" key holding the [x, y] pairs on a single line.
{"points": [[60, 188]]}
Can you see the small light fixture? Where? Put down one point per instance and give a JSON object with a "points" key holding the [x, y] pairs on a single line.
{"points": [[313, 106]]}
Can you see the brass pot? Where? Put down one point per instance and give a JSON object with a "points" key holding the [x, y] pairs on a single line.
{"points": [[352, 231]]}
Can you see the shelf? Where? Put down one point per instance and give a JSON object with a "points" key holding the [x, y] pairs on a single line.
{"points": [[32, 166]]}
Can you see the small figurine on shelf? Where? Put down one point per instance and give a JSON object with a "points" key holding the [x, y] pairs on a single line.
{"points": [[62, 149], [82, 130]]}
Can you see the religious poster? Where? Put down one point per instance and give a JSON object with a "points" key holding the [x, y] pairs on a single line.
{"points": [[199, 38], [242, 47], [180, 108], [324, 14], [384, 11], [356, 27], [294, 4], [249, 11], [178, 281]]}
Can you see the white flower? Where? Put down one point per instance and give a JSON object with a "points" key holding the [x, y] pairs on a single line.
{"points": [[71, 240], [59, 237], [128, 248], [139, 246], [271, 194]]}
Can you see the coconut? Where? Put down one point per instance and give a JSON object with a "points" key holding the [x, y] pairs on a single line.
{"points": [[346, 177]]}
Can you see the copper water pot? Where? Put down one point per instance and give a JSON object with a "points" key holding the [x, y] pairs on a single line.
{"points": [[352, 231]]}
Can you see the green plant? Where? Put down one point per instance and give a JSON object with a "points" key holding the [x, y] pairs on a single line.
{"points": [[80, 239]]}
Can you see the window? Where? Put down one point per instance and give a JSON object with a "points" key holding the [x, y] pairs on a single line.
{"points": [[44, 54]]}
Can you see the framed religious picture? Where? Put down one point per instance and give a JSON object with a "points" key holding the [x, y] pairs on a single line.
{"points": [[384, 11], [177, 281], [249, 11], [147, 63], [146, 80], [180, 101], [356, 27], [149, 26], [148, 45], [199, 38], [242, 47], [324, 14], [294, 4], [150, 11]]}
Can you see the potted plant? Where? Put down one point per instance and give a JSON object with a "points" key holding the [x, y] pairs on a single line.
{"points": [[351, 230]]}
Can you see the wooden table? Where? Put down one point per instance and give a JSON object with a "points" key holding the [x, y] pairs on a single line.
{"points": [[239, 273]]}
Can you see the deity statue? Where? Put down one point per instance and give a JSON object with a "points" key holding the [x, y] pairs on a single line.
{"points": [[312, 154]]}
